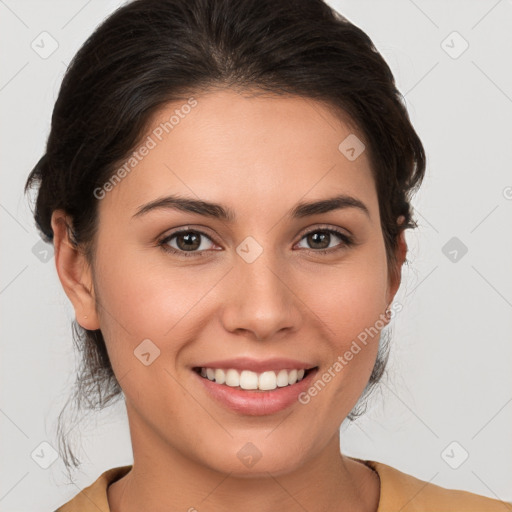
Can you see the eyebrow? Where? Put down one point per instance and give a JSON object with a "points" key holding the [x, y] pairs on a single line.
{"points": [[218, 211]]}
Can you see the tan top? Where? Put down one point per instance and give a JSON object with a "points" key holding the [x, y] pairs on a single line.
{"points": [[399, 492]]}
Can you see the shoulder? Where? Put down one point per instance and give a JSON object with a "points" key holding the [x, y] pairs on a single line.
{"points": [[94, 497], [400, 491]]}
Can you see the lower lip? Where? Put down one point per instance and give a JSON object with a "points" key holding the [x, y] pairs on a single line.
{"points": [[257, 403]]}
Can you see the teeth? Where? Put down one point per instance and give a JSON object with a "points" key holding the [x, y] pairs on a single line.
{"points": [[282, 378], [251, 380], [248, 380], [267, 381], [220, 376], [232, 378]]}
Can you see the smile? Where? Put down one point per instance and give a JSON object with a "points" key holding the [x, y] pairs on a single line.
{"points": [[249, 380], [253, 393]]}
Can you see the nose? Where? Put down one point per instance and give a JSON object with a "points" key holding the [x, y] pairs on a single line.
{"points": [[260, 300]]}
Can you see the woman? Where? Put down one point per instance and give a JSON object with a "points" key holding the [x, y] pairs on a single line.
{"points": [[227, 185]]}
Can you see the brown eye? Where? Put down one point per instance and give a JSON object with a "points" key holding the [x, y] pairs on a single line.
{"points": [[186, 241], [320, 240]]}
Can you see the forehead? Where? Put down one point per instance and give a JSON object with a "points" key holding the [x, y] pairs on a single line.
{"points": [[254, 153]]}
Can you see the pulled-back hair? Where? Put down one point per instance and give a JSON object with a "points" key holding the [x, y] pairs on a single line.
{"points": [[150, 52]]}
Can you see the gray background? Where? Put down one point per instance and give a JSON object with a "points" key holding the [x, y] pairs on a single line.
{"points": [[449, 377]]}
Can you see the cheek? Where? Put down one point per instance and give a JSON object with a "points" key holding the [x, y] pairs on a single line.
{"points": [[351, 304], [147, 299], [349, 297], [350, 300]]}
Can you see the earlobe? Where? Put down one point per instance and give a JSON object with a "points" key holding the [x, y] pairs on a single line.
{"points": [[401, 249], [396, 274], [74, 272]]}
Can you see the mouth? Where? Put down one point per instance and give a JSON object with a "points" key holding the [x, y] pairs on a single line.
{"points": [[248, 380], [250, 393]]}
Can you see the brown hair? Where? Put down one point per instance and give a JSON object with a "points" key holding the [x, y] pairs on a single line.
{"points": [[150, 52]]}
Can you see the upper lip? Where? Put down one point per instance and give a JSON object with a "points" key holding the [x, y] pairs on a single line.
{"points": [[258, 366]]}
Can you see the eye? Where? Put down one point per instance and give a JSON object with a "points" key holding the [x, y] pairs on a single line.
{"points": [[192, 242], [186, 241], [320, 240]]}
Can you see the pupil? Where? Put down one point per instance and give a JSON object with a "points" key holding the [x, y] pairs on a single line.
{"points": [[319, 237], [191, 241]]}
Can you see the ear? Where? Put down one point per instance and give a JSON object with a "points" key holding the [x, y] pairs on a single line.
{"points": [[396, 274], [74, 272]]}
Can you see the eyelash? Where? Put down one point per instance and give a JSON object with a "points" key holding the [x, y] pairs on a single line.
{"points": [[346, 239]]}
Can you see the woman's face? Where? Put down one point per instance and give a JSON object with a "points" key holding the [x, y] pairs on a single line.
{"points": [[252, 291]]}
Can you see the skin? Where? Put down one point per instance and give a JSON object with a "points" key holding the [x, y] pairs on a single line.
{"points": [[259, 156]]}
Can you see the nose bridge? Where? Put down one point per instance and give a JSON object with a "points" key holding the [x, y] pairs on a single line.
{"points": [[260, 302], [260, 276]]}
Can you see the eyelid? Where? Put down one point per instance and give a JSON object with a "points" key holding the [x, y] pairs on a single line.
{"points": [[347, 240], [201, 230], [204, 231], [345, 236], [326, 227]]}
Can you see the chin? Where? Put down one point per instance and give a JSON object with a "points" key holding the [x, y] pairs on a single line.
{"points": [[248, 461]]}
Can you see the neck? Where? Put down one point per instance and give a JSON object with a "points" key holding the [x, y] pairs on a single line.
{"points": [[330, 481]]}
